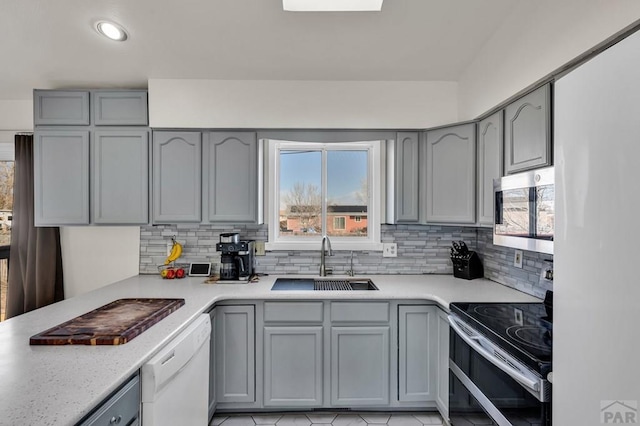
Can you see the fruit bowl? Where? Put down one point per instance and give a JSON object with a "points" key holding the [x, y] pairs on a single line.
{"points": [[173, 271]]}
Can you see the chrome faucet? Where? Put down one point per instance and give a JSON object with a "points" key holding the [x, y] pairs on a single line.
{"points": [[323, 269]]}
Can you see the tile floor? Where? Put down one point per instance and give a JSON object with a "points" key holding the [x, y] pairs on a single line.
{"points": [[329, 419]]}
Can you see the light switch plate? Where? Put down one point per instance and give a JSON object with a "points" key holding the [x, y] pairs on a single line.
{"points": [[389, 250], [260, 251], [517, 259]]}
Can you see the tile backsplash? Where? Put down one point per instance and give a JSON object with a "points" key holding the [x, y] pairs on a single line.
{"points": [[422, 249]]}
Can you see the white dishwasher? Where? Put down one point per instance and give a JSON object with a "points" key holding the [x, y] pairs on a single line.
{"points": [[175, 382]]}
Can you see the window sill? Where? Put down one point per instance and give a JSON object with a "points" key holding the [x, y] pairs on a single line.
{"points": [[315, 246]]}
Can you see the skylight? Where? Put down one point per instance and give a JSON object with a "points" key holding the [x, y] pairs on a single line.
{"points": [[332, 5]]}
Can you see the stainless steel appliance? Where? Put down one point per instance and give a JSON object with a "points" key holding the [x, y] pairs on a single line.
{"points": [[500, 356], [237, 260], [524, 210]]}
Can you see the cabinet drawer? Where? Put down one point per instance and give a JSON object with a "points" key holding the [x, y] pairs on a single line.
{"points": [[52, 107], [121, 409], [299, 312], [358, 312], [127, 107]]}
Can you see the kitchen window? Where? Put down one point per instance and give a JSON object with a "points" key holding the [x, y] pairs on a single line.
{"points": [[318, 189]]}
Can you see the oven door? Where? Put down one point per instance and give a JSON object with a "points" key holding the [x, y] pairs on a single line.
{"points": [[487, 390]]}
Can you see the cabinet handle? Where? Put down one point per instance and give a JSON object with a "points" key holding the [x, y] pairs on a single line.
{"points": [[115, 420]]}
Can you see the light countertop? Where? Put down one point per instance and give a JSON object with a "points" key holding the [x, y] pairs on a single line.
{"points": [[59, 385]]}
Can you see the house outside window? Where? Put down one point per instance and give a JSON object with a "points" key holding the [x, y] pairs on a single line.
{"points": [[318, 189]]}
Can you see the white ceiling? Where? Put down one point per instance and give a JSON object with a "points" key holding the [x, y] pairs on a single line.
{"points": [[52, 44]]}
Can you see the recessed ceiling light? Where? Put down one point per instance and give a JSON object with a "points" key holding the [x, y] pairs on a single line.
{"points": [[111, 30], [332, 5]]}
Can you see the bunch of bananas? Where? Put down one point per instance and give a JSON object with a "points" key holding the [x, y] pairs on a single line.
{"points": [[176, 251]]}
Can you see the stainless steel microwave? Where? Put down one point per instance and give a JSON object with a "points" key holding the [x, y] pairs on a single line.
{"points": [[524, 210]]}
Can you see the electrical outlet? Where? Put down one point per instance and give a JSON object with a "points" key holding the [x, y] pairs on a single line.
{"points": [[260, 248], [389, 250], [169, 247], [517, 259]]}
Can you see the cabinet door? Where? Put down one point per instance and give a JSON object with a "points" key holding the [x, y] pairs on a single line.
{"points": [[64, 107], [231, 177], [359, 366], [417, 354], [120, 175], [123, 407], [490, 143], [176, 177], [528, 132], [292, 366], [407, 196], [61, 177], [451, 174], [123, 108], [212, 365], [442, 376], [235, 357]]}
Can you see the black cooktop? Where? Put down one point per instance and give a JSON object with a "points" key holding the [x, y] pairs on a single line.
{"points": [[522, 329]]}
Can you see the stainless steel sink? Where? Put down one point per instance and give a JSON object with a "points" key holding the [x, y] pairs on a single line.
{"points": [[328, 284]]}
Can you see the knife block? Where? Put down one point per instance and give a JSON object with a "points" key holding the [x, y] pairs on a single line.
{"points": [[467, 266]]}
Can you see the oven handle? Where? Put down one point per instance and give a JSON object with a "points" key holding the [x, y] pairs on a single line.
{"points": [[480, 343]]}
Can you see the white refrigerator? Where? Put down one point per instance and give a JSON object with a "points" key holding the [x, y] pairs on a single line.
{"points": [[596, 330]]}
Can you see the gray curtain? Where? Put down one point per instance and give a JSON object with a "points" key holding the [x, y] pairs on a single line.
{"points": [[35, 265]]}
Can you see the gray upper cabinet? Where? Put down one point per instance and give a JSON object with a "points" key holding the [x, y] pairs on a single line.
{"points": [[60, 107], [230, 177], [528, 131], [120, 177], [406, 187], [416, 358], [490, 143], [61, 177], [120, 108], [177, 177], [235, 354], [451, 174]]}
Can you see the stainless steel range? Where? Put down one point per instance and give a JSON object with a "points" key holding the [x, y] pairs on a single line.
{"points": [[500, 356]]}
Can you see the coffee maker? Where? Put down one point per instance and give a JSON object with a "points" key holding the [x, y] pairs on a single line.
{"points": [[237, 260]]}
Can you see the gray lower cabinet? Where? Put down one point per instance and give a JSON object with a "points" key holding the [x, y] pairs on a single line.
{"points": [[61, 107], [235, 354], [416, 359], [177, 177], [359, 366], [406, 187], [293, 366], [61, 177], [490, 145], [122, 408], [120, 177], [527, 133], [451, 174], [442, 364], [230, 177]]}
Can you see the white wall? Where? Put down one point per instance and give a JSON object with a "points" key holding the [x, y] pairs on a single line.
{"points": [[94, 256], [16, 115], [538, 38], [301, 104]]}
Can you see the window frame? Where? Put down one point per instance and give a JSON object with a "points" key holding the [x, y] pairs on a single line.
{"points": [[375, 213]]}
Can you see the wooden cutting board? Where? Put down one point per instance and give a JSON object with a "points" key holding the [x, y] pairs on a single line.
{"points": [[112, 324]]}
